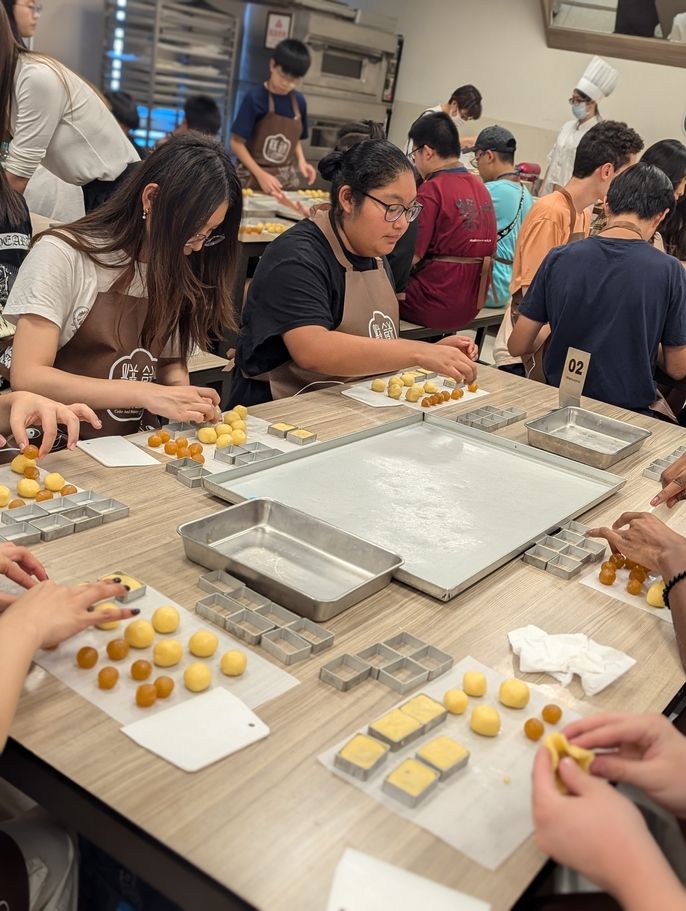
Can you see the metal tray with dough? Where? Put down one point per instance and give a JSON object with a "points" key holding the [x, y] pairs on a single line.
{"points": [[407, 483]]}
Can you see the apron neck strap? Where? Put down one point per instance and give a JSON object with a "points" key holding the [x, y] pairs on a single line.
{"points": [[324, 221], [570, 205], [623, 226]]}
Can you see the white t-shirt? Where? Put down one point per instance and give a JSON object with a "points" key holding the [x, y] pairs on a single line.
{"points": [[70, 132], [563, 153], [47, 195]]}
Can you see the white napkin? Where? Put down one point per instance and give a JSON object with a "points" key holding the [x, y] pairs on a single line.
{"points": [[566, 654]]}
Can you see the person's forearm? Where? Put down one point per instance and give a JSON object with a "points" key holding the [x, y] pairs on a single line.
{"points": [[16, 182], [173, 373], [240, 150], [340, 354], [70, 388], [671, 563], [300, 155], [645, 881], [17, 647]]}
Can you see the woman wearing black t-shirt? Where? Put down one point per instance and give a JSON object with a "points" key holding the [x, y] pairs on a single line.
{"points": [[322, 307]]}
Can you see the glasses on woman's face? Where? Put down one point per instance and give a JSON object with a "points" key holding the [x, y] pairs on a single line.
{"points": [[34, 8], [396, 210], [575, 99], [205, 240]]}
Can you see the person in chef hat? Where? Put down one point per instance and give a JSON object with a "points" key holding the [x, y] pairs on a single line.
{"points": [[598, 82]]}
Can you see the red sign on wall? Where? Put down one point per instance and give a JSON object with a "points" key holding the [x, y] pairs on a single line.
{"points": [[278, 28]]}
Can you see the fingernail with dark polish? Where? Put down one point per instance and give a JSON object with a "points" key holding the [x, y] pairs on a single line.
{"points": [[135, 611]]}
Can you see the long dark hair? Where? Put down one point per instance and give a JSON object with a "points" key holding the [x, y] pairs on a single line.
{"points": [[673, 231], [669, 155], [13, 209], [364, 167], [9, 9], [189, 297]]}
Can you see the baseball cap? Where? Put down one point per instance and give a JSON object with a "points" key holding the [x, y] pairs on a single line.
{"points": [[494, 139]]}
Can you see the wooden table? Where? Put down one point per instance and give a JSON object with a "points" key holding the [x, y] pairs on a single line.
{"points": [[270, 823], [484, 320]]}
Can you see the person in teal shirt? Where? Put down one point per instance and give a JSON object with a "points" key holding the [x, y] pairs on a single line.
{"points": [[494, 152]]}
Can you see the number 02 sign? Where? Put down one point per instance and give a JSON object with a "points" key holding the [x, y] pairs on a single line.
{"points": [[573, 377]]}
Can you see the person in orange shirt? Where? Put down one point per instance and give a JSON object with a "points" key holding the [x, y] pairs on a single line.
{"points": [[562, 217]]}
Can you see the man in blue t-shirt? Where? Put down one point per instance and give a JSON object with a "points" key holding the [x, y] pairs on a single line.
{"points": [[271, 122], [615, 296], [494, 152]]}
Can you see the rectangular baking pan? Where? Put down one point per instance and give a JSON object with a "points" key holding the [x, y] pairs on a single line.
{"points": [[584, 436], [299, 561]]}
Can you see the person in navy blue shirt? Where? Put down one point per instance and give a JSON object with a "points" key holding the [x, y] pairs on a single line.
{"points": [[614, 296], [271, 122]]}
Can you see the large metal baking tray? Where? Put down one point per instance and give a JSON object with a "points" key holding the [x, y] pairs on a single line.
{"points": [[298, 561], [585, 436], [456, 502]]}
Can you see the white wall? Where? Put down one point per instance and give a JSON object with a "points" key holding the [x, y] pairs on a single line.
{"points": [[72, 31], [499, 45]]}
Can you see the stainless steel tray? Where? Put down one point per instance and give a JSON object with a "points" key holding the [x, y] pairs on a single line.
{"points": [[296, 560], [585, 436], [456, 502]]}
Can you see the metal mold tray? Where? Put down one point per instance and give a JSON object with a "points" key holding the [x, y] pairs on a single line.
{"points": [[294, 559], [23, 514], [83, 498], [345, 672], [20, 533], [177, 465], [248, 625], [403, 675], [584, 436], [318, 637], [539, 556], [219, 582], [246, 597], [53, 527], [379, 656], [250, 458], [216, 609], [57, 504], [192, 477], [111, 510], [277, 615], [180, 428], [544, 489], [405, 644], [286, 645], [434, 660], [83, 517], [260, 447], [229, 454], [564, 567]]}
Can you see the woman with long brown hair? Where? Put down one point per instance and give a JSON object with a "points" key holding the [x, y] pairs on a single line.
{"points": [[109, 308], [51, 116]]}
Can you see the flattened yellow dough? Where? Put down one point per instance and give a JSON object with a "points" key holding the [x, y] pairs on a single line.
{"points": [[423, 709], [412, 776], [363, 751], [443, 753], [395, 726], [654, 594], [558, 746]]}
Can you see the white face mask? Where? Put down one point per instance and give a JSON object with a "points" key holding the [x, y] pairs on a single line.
{"points": [[580, 110]]}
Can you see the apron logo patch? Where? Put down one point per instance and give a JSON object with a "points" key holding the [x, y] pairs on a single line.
{"points": [[137, 366], [78, 318], [277, 148], [382, 326]]}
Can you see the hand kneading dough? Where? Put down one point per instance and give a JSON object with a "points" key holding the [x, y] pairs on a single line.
{"points": [[203, 644], [474, 683], [197, 677], [558, 746], [485, 720], [167, 653], [166, 619], [139, 634], [514, 693], [455, 701]]}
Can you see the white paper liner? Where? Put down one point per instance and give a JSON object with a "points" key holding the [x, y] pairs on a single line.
{"points": [[484, 810], [619, 593], [362, 392]]}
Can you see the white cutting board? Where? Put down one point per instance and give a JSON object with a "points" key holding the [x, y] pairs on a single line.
{"points": [[197, 733]]}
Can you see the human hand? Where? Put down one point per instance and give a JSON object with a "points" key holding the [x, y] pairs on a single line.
{"points": [[269, 184], [673, 480], [19, 565], [592, 828], [51, 613], [308, 172], [446, 359], [181, 403], [641, 537], [464, 343], [647, 751], [28, 409]]}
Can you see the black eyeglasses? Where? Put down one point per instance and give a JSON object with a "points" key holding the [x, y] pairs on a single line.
{"points": [[411, 153], [208, 240], [396, 210]]}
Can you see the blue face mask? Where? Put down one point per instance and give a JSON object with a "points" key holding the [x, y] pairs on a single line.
{"points": [[579, 110]]}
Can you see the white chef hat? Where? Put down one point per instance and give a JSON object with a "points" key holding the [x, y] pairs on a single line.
{"points": [[599, 79]]}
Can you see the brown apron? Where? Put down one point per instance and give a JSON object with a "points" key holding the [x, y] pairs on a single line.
{"points": [[486, 263], [660, 405], [272, 145], [107, 346], [533, 363], [370, 310]]}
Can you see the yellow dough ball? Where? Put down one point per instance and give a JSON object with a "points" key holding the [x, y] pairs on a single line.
{"points": [[514, 693], [238, 437], [197, 677], [408, 379], [414, 393], [222, 429], [107, 605], [223, 441], [166, 619], [455, 701], [5, 495], [54, 481], [241, 411], [378, 386], [485, 720], [474, 683], [20, 462], [203, 644], [27, 488], [139, 634], [207, 435], [654, 593], [239, 425], [232, 416], [167, 652], [430, 388], [395, 391], [395, 381], [233, 663]]}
